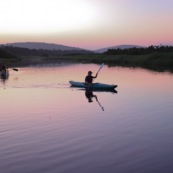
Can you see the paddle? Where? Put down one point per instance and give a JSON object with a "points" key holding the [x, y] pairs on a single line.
{"points": [[101, 66], [15, 69], [100, 105]]}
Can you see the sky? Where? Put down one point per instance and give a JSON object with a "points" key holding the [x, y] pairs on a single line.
{"points": [[88, 24]]}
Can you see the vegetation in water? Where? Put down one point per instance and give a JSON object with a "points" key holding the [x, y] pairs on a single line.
{"points": [[159, 58]]}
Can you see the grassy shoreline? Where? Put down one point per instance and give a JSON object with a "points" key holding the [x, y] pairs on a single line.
{"points": [[155, 61]]}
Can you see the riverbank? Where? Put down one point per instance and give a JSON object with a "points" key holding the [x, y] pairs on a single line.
{"points": [[154, 61]]}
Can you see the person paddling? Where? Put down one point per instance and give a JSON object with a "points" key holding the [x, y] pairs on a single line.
{"points": [[89, 78]]}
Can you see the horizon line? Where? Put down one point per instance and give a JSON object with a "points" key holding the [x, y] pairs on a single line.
{"points": [[161, 44]]}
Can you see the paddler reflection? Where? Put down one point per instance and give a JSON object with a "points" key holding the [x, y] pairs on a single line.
{"points": [[3, 80], [89, 95]]}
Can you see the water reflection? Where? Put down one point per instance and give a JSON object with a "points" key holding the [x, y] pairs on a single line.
{"points": [[4, 77], [79, 138], [89, 95], [3, 82]]}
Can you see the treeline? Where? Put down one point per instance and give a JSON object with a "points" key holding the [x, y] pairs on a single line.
{"points": [[41, 52], [5, 55], [140, 51]]}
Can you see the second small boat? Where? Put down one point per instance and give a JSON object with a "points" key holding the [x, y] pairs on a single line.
{"points": [[4, 74]]}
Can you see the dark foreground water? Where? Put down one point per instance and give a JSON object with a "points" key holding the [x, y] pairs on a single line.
{"points": [[48, 127]]}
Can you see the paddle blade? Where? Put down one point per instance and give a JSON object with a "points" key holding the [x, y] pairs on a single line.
{"points": [[15, 69], [101, 67]]}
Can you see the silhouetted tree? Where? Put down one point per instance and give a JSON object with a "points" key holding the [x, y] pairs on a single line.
{"points": [[140, 51]]}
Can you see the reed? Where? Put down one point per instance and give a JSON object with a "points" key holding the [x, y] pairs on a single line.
{"points": [[154, 61]]}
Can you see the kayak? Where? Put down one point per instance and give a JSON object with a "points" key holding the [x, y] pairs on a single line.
{"points": [[93, 86], [4, 74]]}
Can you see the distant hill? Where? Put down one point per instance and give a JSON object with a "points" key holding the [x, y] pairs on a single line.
{"points": [[43, 49], [40, 48], [117, 47], [58, 47], [41, 45]]}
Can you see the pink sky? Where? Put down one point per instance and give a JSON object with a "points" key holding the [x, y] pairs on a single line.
{"points": [[89, 24]]}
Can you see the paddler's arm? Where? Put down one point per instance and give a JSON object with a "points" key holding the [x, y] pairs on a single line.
{"points": [[96, 75]]}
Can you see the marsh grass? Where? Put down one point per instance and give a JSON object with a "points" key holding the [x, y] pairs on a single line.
{"points": [[155, 61]]}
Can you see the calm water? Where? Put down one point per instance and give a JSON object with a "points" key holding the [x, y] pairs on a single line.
{"points": [[48, 127]]}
